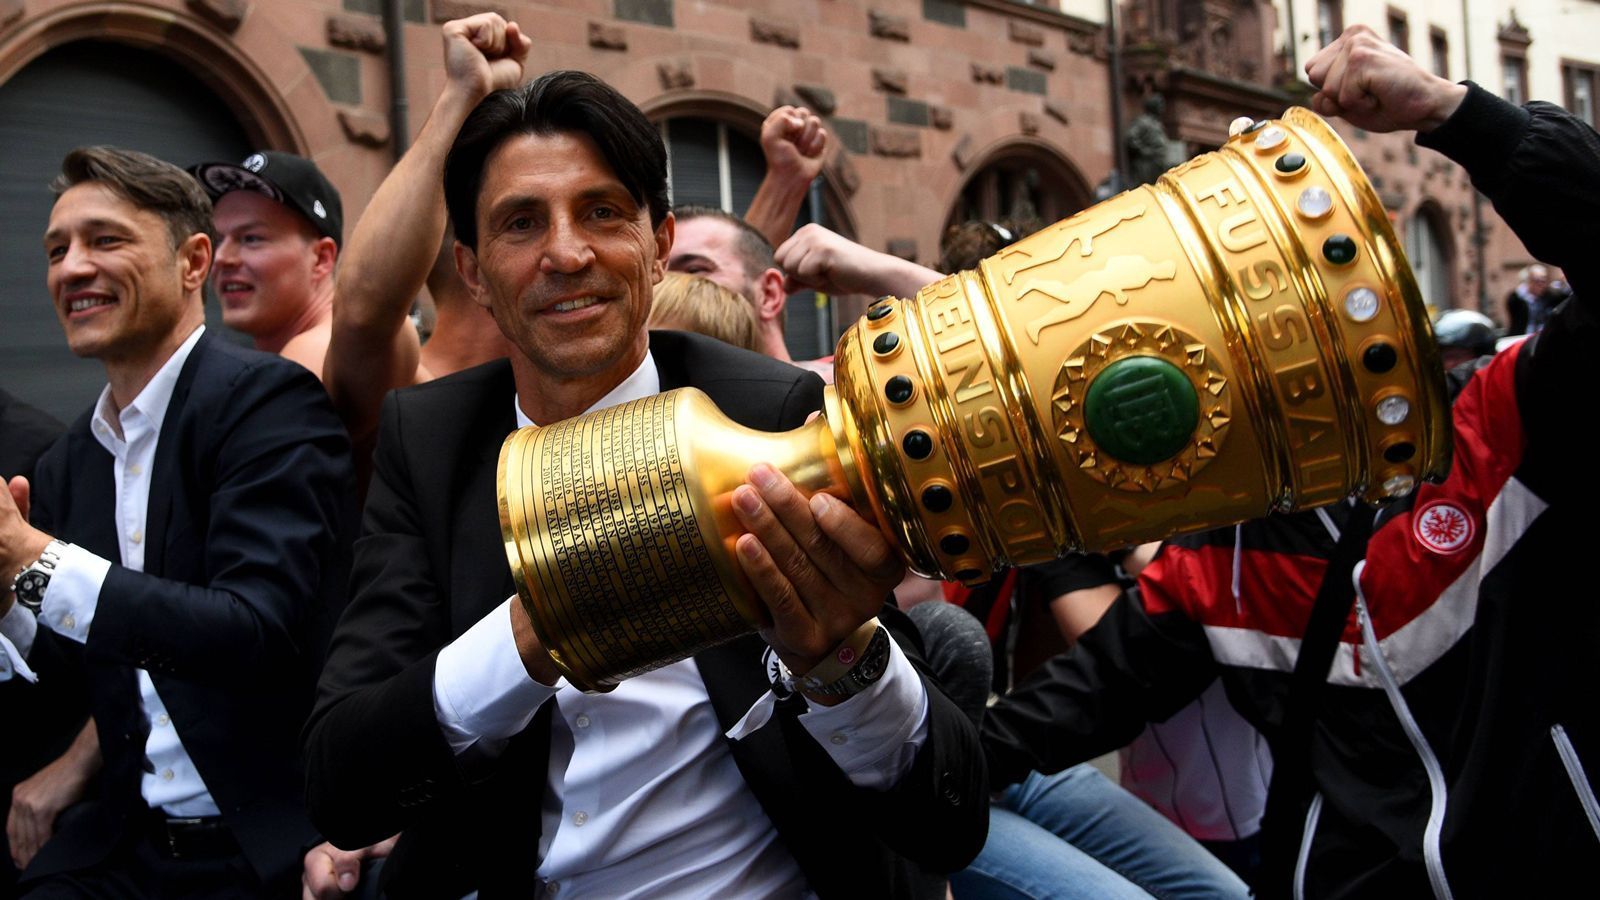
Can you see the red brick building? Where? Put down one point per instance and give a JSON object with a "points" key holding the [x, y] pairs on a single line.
{"points": [[942, 109]]}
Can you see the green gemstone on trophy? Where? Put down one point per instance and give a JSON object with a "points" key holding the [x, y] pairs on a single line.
{"points": [[1141, 410]]}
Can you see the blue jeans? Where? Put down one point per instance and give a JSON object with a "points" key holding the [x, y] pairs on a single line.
{"points": [[1076, 834]]}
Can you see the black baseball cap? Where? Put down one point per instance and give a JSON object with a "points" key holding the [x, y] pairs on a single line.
{"points": [[292, 180]]}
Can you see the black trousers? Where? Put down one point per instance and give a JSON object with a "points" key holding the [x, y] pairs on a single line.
{"points": [[138, 868]]}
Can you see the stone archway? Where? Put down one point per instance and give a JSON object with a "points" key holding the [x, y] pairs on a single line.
{"points": [[1430, 248], [203, 51], [706, 92], [1017, 180]]}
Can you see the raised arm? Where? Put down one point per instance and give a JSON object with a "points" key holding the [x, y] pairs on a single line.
{"points": [[796, 145], [373, 348], [822, 260], [1519, 157]]}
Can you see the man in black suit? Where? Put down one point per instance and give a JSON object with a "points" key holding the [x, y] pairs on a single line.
{"points": [[439, 715], [183, 535]]}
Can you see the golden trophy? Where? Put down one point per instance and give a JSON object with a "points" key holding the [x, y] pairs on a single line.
{"points": [[1242, 336]]}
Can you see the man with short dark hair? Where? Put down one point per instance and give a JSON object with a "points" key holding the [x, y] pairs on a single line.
{"points": [[278, 224], [183, 536], [442, 718], [721, 247]]}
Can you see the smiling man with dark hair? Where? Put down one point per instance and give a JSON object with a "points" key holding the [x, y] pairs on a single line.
{"points": [[173, 551], [440, 715]]}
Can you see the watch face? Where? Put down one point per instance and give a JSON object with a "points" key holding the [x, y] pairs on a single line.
{"points": [[876, 659], [30, 588]]}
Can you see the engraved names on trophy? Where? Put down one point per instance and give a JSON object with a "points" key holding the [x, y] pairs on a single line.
{"points": [[604, 474]]}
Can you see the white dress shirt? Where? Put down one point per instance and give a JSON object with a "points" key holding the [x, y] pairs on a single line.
{"points": [[643, 797], [170, 781]]}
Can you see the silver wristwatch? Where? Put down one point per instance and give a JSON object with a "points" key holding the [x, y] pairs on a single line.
{"points": [[31, 582], [864, 672]]}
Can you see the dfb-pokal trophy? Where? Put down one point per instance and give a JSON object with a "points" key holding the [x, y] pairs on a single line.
{"points": [[1242, 336]]}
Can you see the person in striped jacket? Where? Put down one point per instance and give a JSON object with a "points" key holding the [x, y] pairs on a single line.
{"points": [[1442, 752]]}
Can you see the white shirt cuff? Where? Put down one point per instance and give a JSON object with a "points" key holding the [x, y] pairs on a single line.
{"points": [[74, 593], [482, 693], [17, 628], [874, 736]]}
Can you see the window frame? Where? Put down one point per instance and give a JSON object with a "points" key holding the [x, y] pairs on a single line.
{"points": [[1570, 69], [1514, 42], [1335, 9], [1399, 29], [1439, 46]]}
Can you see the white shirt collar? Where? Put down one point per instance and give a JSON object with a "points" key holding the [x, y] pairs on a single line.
{"points": [[644, 382], [152, 402]]}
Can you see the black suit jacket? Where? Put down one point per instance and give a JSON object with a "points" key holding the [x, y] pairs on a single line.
{"points": [[249, 498], [431, 563]]}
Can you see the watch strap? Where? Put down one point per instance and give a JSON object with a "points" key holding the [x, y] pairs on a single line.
{"points": [[850, 668]]}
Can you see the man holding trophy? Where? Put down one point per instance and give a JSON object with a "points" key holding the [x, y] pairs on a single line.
{"points": [[1238, 338], [444, 718]]}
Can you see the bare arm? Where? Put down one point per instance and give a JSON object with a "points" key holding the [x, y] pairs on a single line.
{"points": [[38, 800], [373, 348], [795, 145], [1077, 611], [820, 259]]}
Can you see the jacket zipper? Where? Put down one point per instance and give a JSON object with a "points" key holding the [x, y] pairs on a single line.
{"points": [[1431, 853], [1580, 781], [1312, 815]]}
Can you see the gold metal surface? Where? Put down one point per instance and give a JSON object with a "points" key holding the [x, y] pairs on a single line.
{"points": [[1182, 356]]}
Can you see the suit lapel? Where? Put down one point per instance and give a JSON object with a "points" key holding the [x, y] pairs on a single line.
{"points": [[733, 676], [166, 475], [479, 569], [95, 527], [668, 357]]}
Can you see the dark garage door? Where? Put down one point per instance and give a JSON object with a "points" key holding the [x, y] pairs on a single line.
{"points": [[83, 93]]}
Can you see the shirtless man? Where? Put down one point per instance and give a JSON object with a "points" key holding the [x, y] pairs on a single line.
{"points": [[278, 222]]}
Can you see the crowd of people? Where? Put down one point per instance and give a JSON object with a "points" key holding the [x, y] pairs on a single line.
{"points": [[258, 636]]}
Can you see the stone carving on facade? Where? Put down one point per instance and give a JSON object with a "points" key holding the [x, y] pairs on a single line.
{"points": [[888, 26], [607, 37], [224, 14], [1230, 39], [675, 74]]}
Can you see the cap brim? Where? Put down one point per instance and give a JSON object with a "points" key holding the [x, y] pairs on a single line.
{"points": [[225, 178]]}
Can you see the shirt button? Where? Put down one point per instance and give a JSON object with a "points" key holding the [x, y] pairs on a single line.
{"points": [[580, 817], [162, 719], [136, 470], [166, 775], [838, 740], [582, 721], [136, 535], [553, 888]]}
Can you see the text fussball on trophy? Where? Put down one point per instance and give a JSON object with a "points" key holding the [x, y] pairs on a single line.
{"points": [[1242, 336]]}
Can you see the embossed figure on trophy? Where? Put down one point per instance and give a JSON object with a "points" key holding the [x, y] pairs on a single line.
{"points": [[1120, 275], [1083, 236]]}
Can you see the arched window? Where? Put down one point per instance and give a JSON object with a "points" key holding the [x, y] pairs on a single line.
{"points": [[712, 162], [77, 94], [1023, 184], [1430, 253]]}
